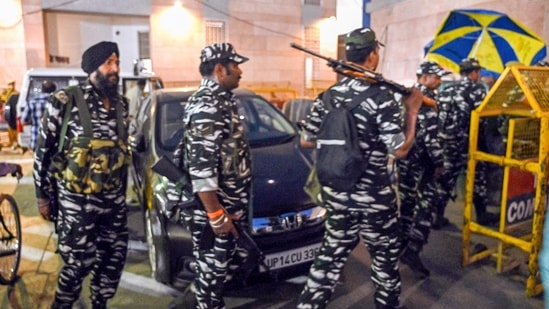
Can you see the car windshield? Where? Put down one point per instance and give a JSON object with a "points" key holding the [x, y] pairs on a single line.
{"points": [[263, 123]]}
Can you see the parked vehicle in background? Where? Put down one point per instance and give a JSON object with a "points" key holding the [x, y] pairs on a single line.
{"points": [[63, 77], [297, 109], [277, 95], [286, 225]]}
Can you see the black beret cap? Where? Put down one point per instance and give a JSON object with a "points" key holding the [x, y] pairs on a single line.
{"points": [[469, 64], [94, 56]]}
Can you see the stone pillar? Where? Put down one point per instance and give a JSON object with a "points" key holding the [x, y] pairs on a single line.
{"points": [[34, 31]]}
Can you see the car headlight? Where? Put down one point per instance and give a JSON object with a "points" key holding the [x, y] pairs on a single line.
{"points": [[288, 221]]}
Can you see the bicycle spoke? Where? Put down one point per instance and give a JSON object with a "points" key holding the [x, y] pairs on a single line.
{"points": [[10, 240]]}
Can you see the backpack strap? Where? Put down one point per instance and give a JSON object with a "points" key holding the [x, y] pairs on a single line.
{"points": [[85, 118], [327, 100], [83, 110], [64, 126]]}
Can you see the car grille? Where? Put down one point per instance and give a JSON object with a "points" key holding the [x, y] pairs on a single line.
{"points": [[290, 221]]}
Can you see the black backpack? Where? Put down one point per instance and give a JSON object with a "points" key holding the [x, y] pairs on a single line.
{"points": [[339, 163]]}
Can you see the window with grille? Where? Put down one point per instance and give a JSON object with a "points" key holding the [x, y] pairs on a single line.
{"points": [[312, 2], [312, 42], [215, 32], [144, 45]]}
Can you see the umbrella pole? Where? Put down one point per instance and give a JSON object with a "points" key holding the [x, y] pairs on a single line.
{"points": [[477, 43]]}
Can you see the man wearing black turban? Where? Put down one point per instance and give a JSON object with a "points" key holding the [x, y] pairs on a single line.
{"points": [[80, 163]]}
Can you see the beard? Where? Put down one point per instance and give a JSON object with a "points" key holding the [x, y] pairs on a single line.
{"points": [[106, 85]]}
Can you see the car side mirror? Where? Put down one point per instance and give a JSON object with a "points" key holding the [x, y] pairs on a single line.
{"points": [[137, 142]]}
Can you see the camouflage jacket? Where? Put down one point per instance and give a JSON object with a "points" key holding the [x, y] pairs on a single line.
{"points": [[103, 123], [214, 149], [455, 105], [426, 149], [379, 122]]}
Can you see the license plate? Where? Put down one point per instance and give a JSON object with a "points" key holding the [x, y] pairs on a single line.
{"points": [[291, 257]]}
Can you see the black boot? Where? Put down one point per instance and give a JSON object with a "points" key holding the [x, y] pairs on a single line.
{"points": [[187, 300], [99, 305], [380, 306], [412, 259], [58, 305], [440, 222], [487, 218]]}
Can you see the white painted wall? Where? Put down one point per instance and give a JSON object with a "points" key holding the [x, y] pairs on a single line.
{"points": [[74, 34], [349, 15], [128, 44]]}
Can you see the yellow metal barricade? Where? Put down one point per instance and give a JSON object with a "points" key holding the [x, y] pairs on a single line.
{"points": [[520, 100]]}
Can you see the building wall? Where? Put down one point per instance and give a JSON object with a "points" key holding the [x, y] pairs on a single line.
{"points": [[176, 37], [54, 33], [69, 34], [407, 26], [260, 30], [34, 35], [30, 32], [13, 56]]}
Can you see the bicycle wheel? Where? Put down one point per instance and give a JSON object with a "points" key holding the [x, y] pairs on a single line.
{"points": [[10, 239]]}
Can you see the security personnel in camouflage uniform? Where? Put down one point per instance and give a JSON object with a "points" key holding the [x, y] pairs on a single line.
{"points": [[370, 210], [92, 217], [216, 152], [417, 172], [455, 105]]}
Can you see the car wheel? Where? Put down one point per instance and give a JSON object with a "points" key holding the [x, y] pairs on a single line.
{"points": [[153, 231]]}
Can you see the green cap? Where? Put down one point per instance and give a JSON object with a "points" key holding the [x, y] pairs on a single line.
{"points": [[361, 38]]}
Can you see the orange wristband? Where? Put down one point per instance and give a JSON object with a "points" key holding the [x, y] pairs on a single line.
{"points": [[215, 214]]}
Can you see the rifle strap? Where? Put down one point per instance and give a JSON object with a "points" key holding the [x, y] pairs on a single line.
{"points": [[76, 94], [64, 126], [83, 110]]}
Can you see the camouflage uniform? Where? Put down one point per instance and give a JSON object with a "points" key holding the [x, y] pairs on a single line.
{"points": [[454, 121], [370, 210], [218, 158], [92, 228], [417, 186]]}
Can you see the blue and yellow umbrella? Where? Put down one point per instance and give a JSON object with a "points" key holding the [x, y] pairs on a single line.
{"points": [[495, 39]]}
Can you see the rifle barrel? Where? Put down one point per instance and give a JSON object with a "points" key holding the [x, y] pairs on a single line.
{"points": [[303, 49], [356, 71]]}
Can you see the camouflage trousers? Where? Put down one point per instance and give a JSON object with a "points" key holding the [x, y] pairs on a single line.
{"points": [[455, 161], [92, 237], [217, 259], [377, 223], [418, 201]]}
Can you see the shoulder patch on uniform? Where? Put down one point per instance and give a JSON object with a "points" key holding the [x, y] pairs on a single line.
{"points": [[62, 96]]}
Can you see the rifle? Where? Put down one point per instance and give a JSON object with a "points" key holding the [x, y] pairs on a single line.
{"points": [[255, 255], [359, 72], [165, 167]]}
